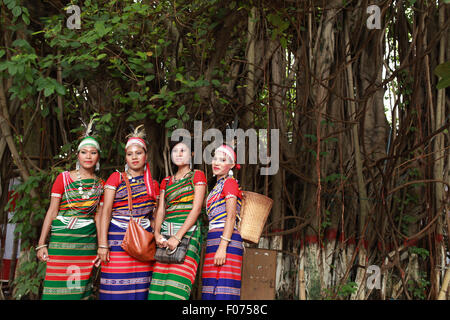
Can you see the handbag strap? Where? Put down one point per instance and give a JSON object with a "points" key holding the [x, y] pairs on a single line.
{"points": [[129, 196], [193, 231], [193, 190]]}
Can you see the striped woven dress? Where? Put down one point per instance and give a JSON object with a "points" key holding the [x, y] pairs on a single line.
{"points": [[124, 277], [174, 281], [222, 282], [73, 240]]}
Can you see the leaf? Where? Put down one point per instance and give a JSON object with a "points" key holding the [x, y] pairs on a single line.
{"points": [[100, 28], [179, 77], [12, 69], [4, 65], [171, 122], [29, 77], [106, 118], [101, 56], [283, 42], [181, 110], [17, 11], [134, 95], [60, 89], [443, 83], [26, 19], [49, 91], [443, 71], [136, 116]]}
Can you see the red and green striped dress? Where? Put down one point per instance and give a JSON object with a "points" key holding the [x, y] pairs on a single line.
{"points": [[172, 281], [73, 240]]}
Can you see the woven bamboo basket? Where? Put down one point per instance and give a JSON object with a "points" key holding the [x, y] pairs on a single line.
{"points": [[254, 212]]}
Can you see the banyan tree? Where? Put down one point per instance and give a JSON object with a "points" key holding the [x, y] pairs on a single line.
{"points": [[356, 90]]}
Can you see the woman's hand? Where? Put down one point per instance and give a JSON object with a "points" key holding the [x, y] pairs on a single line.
{"points": [[42, 254], [97, 261], [221, 255], [172, 243], [160, 240], [103, 255]]}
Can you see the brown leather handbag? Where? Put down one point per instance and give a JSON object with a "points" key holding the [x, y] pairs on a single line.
{"points": [[137, 242]]}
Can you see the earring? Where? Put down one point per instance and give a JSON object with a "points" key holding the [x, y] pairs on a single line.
{"points": [[77, 166], [97, 166], [126, 167], [230, 173]]}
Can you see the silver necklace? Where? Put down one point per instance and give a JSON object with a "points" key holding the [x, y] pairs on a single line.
{"points": [[84, 195], [176, 180], [130, 177]]}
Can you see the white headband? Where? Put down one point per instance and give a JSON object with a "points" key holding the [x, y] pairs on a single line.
{"points": [[227, 152], [89, 141], [138, 141]]}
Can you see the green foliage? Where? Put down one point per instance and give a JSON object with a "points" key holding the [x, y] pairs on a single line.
{"points": [[418, 288], [29, 276], [30, 211], [344, 291], [28, 215], [443, 71], [421, 252], [348, 289]]}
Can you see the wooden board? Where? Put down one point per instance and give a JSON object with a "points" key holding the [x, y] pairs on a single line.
{"points": [[258, 274]]}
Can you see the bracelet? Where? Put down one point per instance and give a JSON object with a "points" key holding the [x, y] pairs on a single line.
{"points": [[179, 241], [226, 239], [103, 247], [41, 246]]}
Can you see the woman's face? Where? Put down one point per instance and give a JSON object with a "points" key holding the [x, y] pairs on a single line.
{"points": [[136, 157], [221, 164], [88, 157], [181, 155]]}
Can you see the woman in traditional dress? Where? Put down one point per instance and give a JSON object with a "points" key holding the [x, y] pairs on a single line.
{"points": [[221, 274], [71, 253], [123, 277], [181, 201]]}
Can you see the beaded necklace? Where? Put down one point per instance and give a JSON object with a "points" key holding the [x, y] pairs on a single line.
{"points": [[85, 192]]}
